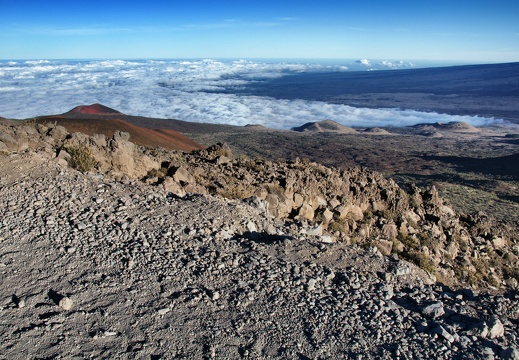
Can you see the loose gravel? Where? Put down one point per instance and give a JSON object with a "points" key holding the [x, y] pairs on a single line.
{"points": [[92, 267]]}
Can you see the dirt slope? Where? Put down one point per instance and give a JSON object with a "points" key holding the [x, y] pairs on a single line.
{"points": [[168, 139]]}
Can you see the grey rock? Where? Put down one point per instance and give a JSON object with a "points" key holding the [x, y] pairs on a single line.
{"points": [[495, 328], [402, 270], [66, 303], [440, 330], [310, 286], [435, 310], [315, 231], [215, 295]]}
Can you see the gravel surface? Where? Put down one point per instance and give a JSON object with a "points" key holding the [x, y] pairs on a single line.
{"points": [[92, 267]]}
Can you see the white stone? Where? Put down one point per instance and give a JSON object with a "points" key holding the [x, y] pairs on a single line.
{"points": [[164, 311], [496, 329], [315, 231], [66, 303], [311, 284], [215, 295]]}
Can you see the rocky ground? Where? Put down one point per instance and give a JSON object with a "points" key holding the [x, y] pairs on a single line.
{"points": [[97, 267]]}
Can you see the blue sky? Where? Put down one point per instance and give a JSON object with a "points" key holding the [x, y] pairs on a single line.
{"points": [[469, 31]]}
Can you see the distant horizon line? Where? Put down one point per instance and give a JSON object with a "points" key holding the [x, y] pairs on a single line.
{"points": [[472, 62]]}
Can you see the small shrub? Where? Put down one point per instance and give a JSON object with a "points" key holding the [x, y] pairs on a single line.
{"points": [[421, 259], [338, 225], [408, 240], [81, 158], [160, 173], [413, 224], [355, 241], [473, 278], [413, 202], [387, 214], [428, 240], [224, 151], [178, 158]]}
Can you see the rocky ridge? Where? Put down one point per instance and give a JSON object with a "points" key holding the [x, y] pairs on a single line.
{"points": [[356, 206], [101, 264]]}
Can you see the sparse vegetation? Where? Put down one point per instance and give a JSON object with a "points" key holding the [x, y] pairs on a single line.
{"points": [[409, 241], [235, 192], [81, 158], [276, 189], [421, 259], [154, 173], [224, 151], [339, 225], [387, 214]]}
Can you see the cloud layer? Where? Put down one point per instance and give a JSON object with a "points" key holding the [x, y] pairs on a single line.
{"points": [[186, 90]]}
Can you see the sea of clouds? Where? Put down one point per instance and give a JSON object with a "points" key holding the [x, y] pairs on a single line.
{"points": [[187, 90]]}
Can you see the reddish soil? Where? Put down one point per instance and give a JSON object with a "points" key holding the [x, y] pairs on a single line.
{"points": [[168, 139]]}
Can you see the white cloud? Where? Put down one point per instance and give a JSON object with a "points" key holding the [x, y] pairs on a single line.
{"points": [[396, 65], [364, 62], [186, 90]]}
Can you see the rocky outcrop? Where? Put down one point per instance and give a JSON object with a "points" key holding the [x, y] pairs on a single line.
{"points": [[116, 155], [356, 205]]}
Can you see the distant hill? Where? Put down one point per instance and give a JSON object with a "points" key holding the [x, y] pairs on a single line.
{"points": [[94, 109], [325, 126], [377, 131], [451, 126], [256, 127], [100, 119]]}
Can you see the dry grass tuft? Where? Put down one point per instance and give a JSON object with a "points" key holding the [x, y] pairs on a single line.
{"points": [[81, 158]]}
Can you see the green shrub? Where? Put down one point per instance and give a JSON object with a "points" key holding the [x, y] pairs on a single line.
{"points": [[81, 158]]}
